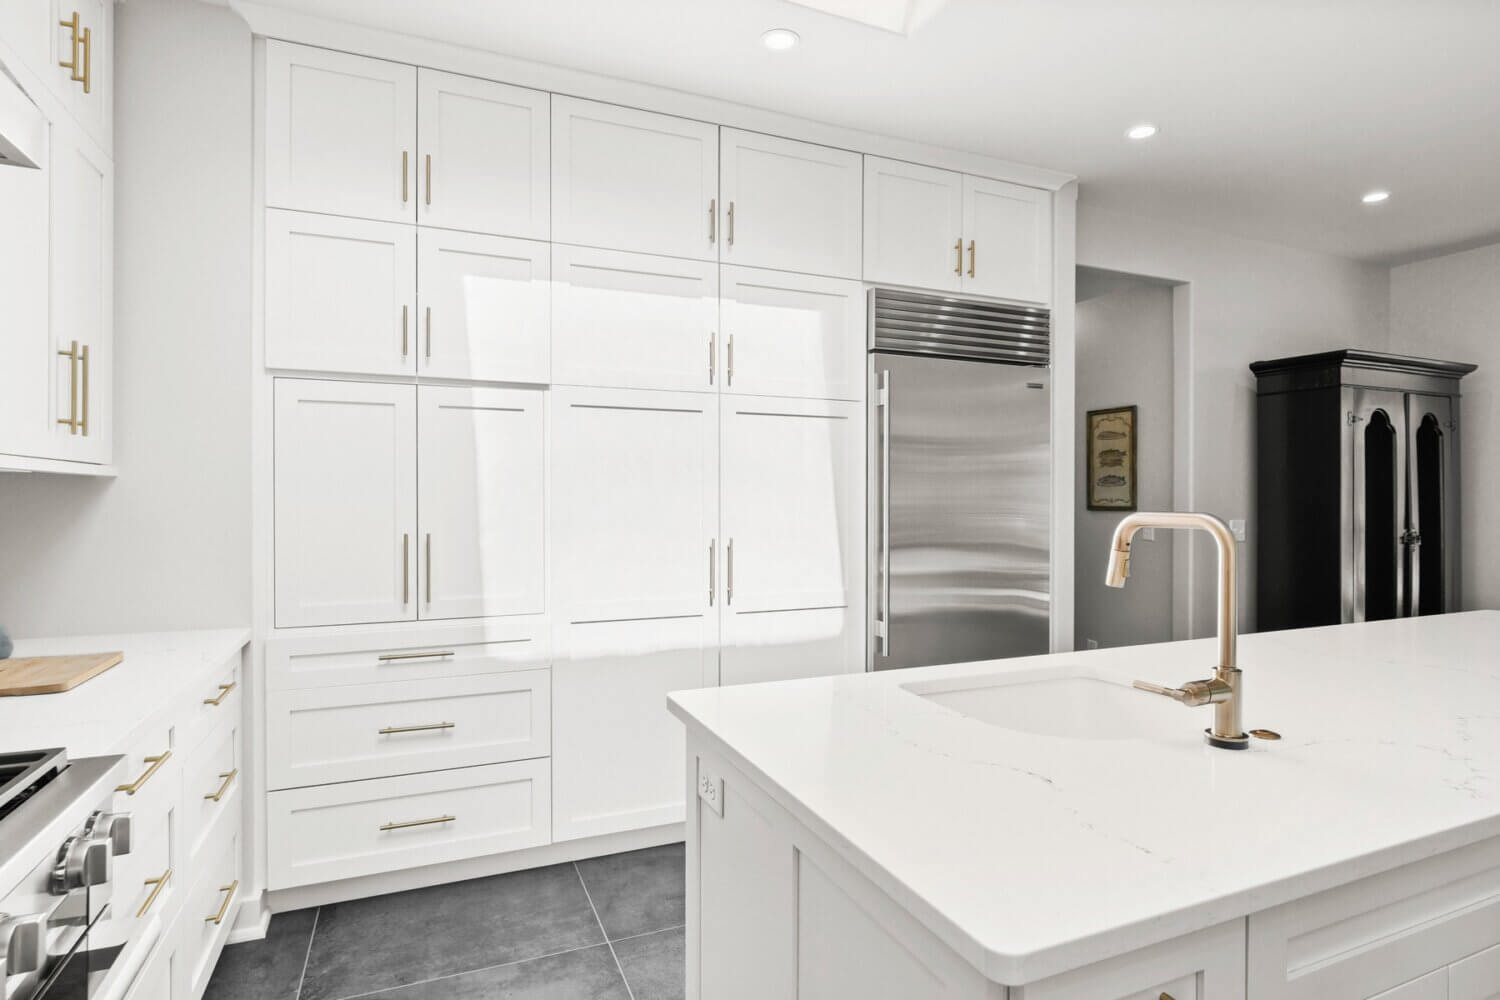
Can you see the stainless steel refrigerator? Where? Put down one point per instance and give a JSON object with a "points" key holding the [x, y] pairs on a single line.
{"points": [[961, 480]]}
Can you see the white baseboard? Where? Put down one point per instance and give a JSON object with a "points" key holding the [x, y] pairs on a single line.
{"points": [[251, 919]]}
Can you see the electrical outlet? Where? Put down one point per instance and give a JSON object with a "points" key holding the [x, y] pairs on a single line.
{"points": [[711, 789], [1149, 534], [1237, 529], [1091, 643]]}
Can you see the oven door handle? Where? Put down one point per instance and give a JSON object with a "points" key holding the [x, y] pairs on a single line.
{"points": [[131, 960]]}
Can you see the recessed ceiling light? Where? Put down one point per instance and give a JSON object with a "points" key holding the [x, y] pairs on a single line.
{"points": [[780, 39], [1145, 130], [1375, 197]]}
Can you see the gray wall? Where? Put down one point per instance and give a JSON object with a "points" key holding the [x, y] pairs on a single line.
{"points": [[1125, 358], [166, 545], [1449, 308]]}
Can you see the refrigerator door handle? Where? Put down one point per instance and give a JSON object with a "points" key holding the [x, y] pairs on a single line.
{"points": [[883, 556]]}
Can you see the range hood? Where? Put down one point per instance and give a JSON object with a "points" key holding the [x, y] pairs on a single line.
{"points": [[23, 129]]}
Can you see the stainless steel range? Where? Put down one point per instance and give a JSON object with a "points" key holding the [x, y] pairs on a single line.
{"points": [[58, 841]]}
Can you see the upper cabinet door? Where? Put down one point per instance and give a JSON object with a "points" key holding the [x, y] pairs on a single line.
{"points": [[1007, 240], [913, 225], [790, 205], [633, 180], [346, 502], [634, 321], [485, 308], [81, 69], [484, 156], [26, 358], [340, 294], [792, 334], [482, 501], [341, 133]]}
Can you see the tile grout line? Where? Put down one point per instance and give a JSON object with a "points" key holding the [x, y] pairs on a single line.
{"points": [[307, 957], [632, 937], [590, 897], [469, 972]]}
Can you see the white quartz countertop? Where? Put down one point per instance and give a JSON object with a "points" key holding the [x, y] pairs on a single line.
{"points": [[1030, 854], [103, 714]]}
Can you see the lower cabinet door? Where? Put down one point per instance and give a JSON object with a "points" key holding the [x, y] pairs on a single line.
{"points": [[145, 880], [485, 307], [617, 752], [156, 980], [208, 913], [211, 784], [359, 828], [1205, 965]]}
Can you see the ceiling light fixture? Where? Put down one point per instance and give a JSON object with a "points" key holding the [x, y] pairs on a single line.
{"points": [[1145, 130], [1375, 197], [780, 39]]}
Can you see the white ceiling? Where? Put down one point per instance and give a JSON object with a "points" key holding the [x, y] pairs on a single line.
{"points": [[1275, 115]]}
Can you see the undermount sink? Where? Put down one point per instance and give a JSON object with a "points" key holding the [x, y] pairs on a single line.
{"points": [[1071, 703]]}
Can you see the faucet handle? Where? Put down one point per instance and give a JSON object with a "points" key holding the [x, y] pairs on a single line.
{"points": [[1192, 693]]}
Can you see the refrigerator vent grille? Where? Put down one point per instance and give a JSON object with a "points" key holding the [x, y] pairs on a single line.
{"points": [[917, 323]]}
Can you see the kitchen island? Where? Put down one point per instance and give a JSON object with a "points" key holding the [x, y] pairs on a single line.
{"points": [[1035, 829]]}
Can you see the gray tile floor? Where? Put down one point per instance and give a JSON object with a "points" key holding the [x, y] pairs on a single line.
{"points": [[603, 929]]}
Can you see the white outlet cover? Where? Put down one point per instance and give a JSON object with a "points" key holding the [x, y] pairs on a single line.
{"points": [[1237, 529], [711, 789]]}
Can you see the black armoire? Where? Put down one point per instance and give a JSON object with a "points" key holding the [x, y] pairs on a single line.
{"points": [[1357, 499]]}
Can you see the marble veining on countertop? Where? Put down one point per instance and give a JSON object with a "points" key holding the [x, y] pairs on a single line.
{"points": [[1031, 854]]}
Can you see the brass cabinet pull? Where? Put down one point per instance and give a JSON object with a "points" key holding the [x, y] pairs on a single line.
{"points": [[224, 690], [84, 393], [713, 217], [155, 765], [971, 258], [229, 891], [711, 548], [73, 66], [427, 728], [387, 827], [405, 195], [403, 332], [228, 777], [958, 251], [731, 223], [88, 60], [729, 574], [427, 179], [428, 581], [405, 569], [387, 657], [711, 338], [160, 883], [427, 334], [71, 420], [729, 362]]}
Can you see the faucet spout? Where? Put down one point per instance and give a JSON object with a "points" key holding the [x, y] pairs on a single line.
{"points": [[1228, 730]]}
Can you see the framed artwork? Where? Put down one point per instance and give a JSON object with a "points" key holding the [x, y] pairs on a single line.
{"points": [[1111, 459]]}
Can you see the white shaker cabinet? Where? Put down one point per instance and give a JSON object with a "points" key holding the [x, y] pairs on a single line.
{"points": [[26, 352], [790, 205], [793, 517], [634, 320], [345, 502], [1007, 240], [484, 156], [341, 133], [81, 69], [340, 294], [913, 225], [485, 307], [789, 334], [624, 179], [481, 500]]}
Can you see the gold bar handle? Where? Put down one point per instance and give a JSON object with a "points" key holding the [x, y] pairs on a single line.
{"points": [[711, 548], [228, 777], [160, 883], [405, 194], [729, 362], [72, 65], [71, 420], [971, 258], [156, 762], [711, 338], [387, 657], [88, 60], [387, 827], [84, 420], [429, 727], [427, 333], [713, 217], [729, 574], [404, 324], [958, 251], [224, 690], [731, 223], [229, 891], [427, 180]]}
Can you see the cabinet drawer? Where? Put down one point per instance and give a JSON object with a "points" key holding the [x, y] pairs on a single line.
{"points": [[211, 782], [152, 771], [1476, 977], [207, 915], [155, 981], [145, 883], [386, 824], [214, 702], [1206, 965], [378, 657], [317, 736]]}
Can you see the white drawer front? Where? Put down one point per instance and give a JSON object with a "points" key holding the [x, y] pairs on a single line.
{"points": [[364, 827], [215, 704], [318, 736], [380, 657], [211, 782], [207, 914]]}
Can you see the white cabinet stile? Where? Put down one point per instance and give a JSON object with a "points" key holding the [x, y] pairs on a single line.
{"points": [[792, 334], [913, 225], [345, 502], [481, 502], [630, 320], [484, 156], [794, 206], [484, 308], [1007, 240], [341, 133], [340, 294], [624, 179]]}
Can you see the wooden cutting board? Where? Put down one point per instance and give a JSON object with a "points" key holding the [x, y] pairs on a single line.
{"points": [[52, 674]]}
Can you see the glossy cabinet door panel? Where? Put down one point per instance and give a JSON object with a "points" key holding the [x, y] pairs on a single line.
{"points": [[624, 179], [790, 205], [26, 352], [1007, 240], [792, 334], [340, 294], [484, 156], [345, 502], [913, 225], [341, 133], [634, 321], [793, 529], [481, 502], [485, 308]]}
